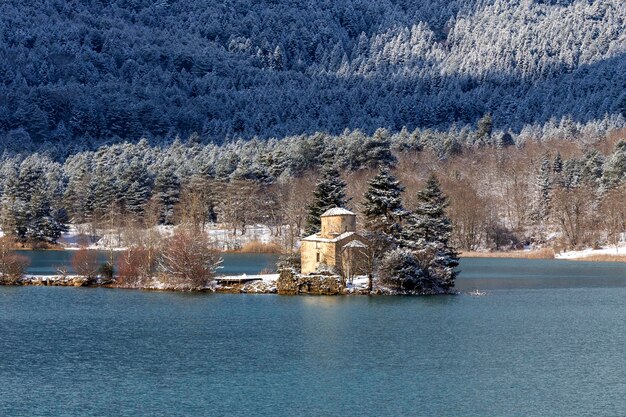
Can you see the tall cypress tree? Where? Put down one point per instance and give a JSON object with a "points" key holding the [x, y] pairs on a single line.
{"points": [[329, 193], [428, 230]]}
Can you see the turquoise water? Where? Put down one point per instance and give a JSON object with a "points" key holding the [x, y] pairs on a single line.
{"points": [[477, 273], [49, 262], [536, 343]]}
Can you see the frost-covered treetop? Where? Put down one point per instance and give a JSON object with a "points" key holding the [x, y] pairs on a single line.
{"points": [[337, 211], [88, 73]]}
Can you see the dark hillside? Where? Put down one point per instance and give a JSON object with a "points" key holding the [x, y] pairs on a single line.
{"points": [[82, 73]]}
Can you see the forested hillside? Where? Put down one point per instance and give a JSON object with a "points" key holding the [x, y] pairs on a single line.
{"points": [[565, 187], [83, 73]]}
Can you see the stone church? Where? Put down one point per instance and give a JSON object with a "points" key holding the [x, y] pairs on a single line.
{"points": [[336, 247]]}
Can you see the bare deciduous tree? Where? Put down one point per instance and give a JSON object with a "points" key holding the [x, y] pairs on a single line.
{"points": [[188, 260], [85, 263], [197, 203], [12, 265], [612, 212], [573, 212]]}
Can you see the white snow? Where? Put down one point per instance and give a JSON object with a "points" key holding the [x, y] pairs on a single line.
{"points": [[259, 277], [316, 238], [360, 282], [220, 234], [337, 211], [585, 253]]}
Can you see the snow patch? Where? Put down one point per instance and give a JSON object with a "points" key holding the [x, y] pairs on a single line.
{"points": [[585, 253]]}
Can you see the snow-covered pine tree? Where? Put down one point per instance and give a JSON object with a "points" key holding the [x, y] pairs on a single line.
{"points": [[137, 187], [43, 225], [557, 170], [557, 165], [26, 210], [484, 128], [13, 209], [78, 192], [428, 230], [167, 194], [329, 192], [615, 167], [383, 210], [400, 270], [544, 186]]}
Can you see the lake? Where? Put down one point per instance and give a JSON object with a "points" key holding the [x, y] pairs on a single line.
{"points": [[49, 262], [547, 338]]}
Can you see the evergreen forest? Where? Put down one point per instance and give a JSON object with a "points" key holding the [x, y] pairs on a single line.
{"points": [[78, 74]]}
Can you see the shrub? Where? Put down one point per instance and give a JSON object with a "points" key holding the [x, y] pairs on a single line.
{"points": [[85, 263], [12, 265], [289, 260], [136, 266], [188, 260], [400, 270], [260, 247], [106, 270]]}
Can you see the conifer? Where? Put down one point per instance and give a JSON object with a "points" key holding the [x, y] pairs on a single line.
{"points": [[383, 208], [329, 193], [428, 231]]}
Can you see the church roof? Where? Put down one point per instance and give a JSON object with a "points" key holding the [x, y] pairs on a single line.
{"points": [[316, 238], [338, 211], [355, 244]]}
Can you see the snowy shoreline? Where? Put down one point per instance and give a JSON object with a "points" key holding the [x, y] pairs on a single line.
{"points": [[258, 284], [606, 254], [234, 284]]}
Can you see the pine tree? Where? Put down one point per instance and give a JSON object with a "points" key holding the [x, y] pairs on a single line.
{"points": [[78, 193], [167, 194], [504, 140], [557, 165], [593, 169], [26, 210], [615, 169], [428, 231], [137, 187], [383, 208], [329, 193], [557, 170], [484, 128], [544, 187], [43, 225]]}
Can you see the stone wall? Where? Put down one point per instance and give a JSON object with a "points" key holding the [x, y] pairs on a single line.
{"points": [[291, 283], [331, 254], [333, 226]]}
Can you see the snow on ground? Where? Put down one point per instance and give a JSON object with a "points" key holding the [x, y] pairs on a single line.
{"points": [[360, 282], [226, 240], [222, 235], [260, 277], [581, 254]]}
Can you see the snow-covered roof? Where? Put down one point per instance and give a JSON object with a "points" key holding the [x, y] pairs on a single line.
{"points": [[337, 211], [355, 244], [316, 238]]}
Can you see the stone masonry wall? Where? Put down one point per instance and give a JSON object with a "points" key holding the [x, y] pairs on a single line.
{"points": [[291, 283]]}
